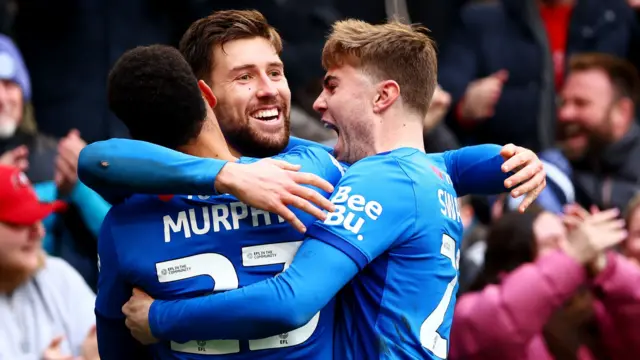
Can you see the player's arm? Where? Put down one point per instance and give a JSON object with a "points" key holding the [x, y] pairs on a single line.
{"points": [[332, 255], [118, 168], [114, 339], [267, 308], [476, 169], [490, 169]]}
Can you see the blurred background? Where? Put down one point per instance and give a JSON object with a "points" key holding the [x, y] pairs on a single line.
{"points": [[557, 76]]}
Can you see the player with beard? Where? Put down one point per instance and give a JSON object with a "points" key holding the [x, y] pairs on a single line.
{"points": [[425, 169], [192, 244], [236, 54]]}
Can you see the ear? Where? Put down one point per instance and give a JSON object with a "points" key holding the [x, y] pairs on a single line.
{"points": [[625, 109], [387, 93], [207, 93]]}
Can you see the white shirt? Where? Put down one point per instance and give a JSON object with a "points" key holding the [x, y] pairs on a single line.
{"points": [[56, 301]]}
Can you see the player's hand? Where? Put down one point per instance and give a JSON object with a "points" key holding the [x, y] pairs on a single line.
{"points": [[137, 312], [53, 351], [18, 157], [272, 185], [529, 178]]}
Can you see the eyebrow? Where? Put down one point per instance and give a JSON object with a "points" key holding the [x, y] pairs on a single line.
{"points": [[329, 78], [250, 66]]}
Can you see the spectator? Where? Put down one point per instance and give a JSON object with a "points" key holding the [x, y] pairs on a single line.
{"points": [[597, 130], [506, 60], [631, 247], [437, 136], [533, 298], [45, 306], [52, 166], [19, 142]]}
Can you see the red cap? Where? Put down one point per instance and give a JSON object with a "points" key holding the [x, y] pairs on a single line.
{"points": [[19, 203]]}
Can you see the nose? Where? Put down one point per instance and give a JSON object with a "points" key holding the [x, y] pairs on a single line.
{"points": [[566, 113], [320, 105], [37, 231], [266, 87]]}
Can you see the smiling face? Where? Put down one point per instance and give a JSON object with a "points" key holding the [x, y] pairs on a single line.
{"points": [[20, 252], [346, 105], [586, 116], [11, 108], [253, 96]]}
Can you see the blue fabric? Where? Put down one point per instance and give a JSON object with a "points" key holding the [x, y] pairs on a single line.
{"points": [[286, 302], [188, 246]]}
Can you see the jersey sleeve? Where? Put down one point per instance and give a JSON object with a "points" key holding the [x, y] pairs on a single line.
{"points": [[118, 168], [317, 161], [375, 210], [476, 169], [113, 290], [291, 299], [296, 141]]}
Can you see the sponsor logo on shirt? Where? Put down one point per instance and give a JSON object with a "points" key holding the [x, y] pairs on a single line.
{"points": [[352, 211]]}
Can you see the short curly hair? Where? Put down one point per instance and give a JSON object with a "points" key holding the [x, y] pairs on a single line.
{"points": [[153, 90]]}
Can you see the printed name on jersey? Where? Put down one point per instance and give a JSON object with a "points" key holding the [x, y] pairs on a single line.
{"points": [[352, 211], [449, 205], [215, 218]]}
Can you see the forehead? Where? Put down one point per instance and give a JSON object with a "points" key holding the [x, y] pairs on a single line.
{"points": [[588, 83], [548, 224], [347, 74], [256, 52]]}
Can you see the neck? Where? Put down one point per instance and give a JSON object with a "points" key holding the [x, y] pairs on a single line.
{"points": [[398, 129], [208, 146]]}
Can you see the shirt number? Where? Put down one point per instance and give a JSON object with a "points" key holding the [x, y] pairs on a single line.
{"points": [[429, 336], [225, 277]]}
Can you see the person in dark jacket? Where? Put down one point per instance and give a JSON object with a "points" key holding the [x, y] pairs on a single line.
{"points": [[504, 64], [597, 129]]}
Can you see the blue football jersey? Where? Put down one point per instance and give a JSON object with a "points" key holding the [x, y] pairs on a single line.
{"points": [[177, 247], [397, 217]]}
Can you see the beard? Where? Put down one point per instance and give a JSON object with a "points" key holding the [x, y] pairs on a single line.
{"points": [[8, 127], [247, 140]]}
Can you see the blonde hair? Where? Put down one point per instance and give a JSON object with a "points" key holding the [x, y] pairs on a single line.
{"points": [[395, 51]]}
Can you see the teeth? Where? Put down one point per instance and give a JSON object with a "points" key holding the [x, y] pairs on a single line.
{"points": [[262, 114]]}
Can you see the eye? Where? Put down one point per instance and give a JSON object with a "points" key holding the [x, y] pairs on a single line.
{"points": [[244, 77], [275, 73]]}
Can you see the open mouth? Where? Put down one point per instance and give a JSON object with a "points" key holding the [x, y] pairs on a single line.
{"points": [[330, 126], [266, 114]]}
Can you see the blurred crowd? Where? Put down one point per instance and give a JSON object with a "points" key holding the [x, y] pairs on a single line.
{"points": [[557, 76]]}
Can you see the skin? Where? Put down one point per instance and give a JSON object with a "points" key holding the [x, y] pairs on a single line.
{"points": [[11, 107], [248, 76], [549, 232], [368, 115], [591, 116], [20, 253], [632, 244]]}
